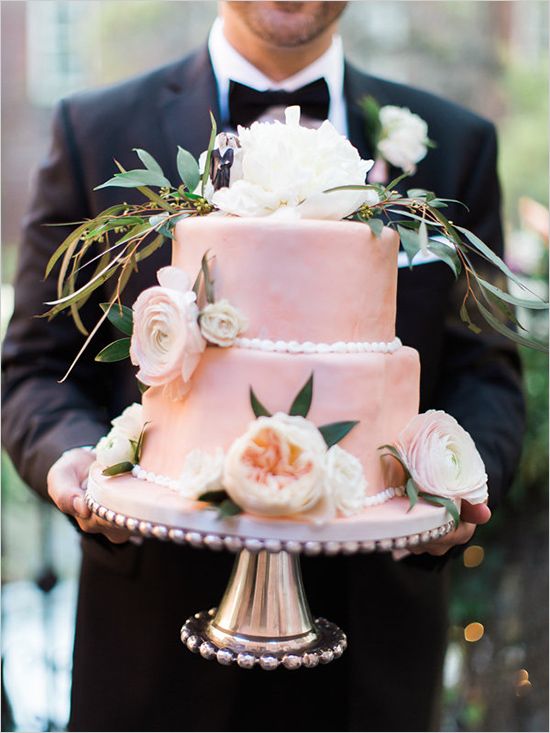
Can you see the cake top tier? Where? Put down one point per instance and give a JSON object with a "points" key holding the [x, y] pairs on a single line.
{"points": [[309, 280]]}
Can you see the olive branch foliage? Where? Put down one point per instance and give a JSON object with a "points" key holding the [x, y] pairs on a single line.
{"points": [[126, 234]]}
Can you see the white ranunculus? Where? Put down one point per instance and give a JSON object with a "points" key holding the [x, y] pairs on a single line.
{"points": [[345, 481], [221, 323], [442, 457], [202, 472], [166, 341], [286, 168], [404, 137], [114, 448], [130, 422], [276, 467]]}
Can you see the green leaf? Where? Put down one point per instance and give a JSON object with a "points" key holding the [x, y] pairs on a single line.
{"points": [[376, 226], [412, 493], [139, 444], [115, 351], [228, 508], [149, 162], [148, 250], [447, 254], [214, 497], [188, 169], [491, 256], [420, 193], [410, 242], [396, 181], [72, 238], [503, 295], [135, 179], [465, 316], [371, 111], [211, 144], [510, 333], [257, 408], [302, 401], [392, 450], [208, 282], [449, 505], [142, 387], [334, 432], [123, 467], [120, 316]]}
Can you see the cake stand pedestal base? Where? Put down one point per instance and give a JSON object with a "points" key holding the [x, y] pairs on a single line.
{"points": [[264, 619]]}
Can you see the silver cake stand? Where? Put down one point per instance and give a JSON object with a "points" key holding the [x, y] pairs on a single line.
{"points": [[263, 619]]}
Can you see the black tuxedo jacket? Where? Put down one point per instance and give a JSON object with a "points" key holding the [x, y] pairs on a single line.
{"points": [[130, 670]]}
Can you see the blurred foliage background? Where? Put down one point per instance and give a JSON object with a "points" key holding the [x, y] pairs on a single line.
{"points": [[490, 56]]}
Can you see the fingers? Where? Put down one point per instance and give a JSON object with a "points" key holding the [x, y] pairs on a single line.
{"points": [[475, 513], [96, 525], [459, 536], [66, 481]]}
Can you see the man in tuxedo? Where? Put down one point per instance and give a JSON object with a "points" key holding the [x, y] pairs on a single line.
{"points": [[130, 670]]}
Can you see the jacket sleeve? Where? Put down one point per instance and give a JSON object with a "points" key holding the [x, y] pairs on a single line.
{"points": [[480, 380], [41, 418]]}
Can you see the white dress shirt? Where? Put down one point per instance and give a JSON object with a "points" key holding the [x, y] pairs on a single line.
{"points": [[228, 64]]}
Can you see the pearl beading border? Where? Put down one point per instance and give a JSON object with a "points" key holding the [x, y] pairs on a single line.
{"points": [[309, 347], [330, 645], [234, 543], [170, 483]]}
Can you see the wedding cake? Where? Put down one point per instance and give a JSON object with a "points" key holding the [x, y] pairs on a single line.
{"points": [[274, 385]]}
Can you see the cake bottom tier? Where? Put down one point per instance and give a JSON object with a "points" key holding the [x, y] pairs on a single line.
{"points": [[380, 390]]}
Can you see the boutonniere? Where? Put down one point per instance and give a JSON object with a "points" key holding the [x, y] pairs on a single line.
{"points": [[400, 138]]}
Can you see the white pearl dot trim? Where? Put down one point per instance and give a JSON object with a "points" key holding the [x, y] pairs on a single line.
{"points": [[308, 347], [170, 483]]}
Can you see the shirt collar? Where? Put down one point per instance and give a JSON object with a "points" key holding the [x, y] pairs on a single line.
{"points": [[228, 63]]}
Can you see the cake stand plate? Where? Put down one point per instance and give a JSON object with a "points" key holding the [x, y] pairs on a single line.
{"points": [[263, 619]]}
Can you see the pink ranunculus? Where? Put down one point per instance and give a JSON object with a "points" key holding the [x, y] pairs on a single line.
{"points": [[442, 457], [166, 341]]}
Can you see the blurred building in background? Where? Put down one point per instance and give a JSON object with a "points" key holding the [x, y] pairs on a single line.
{"points": [[489, 56]]}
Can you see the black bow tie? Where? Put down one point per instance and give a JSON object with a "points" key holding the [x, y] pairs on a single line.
{"points": [[247, 104]]}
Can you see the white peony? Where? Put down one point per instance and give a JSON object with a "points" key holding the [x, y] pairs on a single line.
{"points": [[276, 467], [442, 457], [130, 422], [166, 341], [202, 472], [345, 481], [286, 168], [221, 323], [114, 448], [404, 137]]}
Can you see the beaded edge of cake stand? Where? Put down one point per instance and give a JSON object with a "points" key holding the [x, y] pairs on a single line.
{"points": [[330, 645], [236, 543]]}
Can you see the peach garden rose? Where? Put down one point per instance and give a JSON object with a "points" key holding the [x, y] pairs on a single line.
{"points": [[276, 467], [166, 341]]}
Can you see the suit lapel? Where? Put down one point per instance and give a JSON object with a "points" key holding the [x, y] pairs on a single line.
{"points": [[187, 97]]}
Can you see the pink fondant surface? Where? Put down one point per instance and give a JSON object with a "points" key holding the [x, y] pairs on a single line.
{"points": [[148, 502], [320, 281], [379, 390]]}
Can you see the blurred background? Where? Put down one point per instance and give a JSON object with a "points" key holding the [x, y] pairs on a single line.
{"points": [[489, 56]]}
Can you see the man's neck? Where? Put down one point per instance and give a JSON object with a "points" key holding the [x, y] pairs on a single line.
{"points": [[275, 62]]}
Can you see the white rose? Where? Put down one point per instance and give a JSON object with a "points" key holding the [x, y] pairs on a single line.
{"points": [[130, 422], [221, 323], [442, 457], [404, 137], [345, 481], [286, 167], [114, 448], [276, 467], [202, 472], [166, 340]]}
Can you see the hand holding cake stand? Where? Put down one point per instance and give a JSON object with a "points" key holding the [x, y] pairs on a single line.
{"points": [[263, 619]]}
